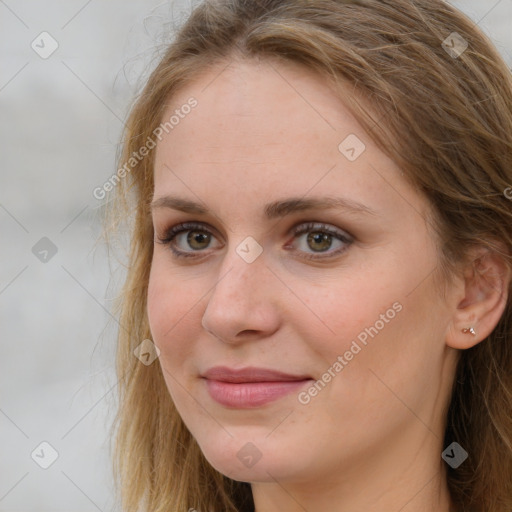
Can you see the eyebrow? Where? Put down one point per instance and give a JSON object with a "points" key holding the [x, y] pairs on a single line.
{"points": [[273, 210]]}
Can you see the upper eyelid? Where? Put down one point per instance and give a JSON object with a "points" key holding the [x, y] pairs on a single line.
{"points": [[189, 226], [297, 229]]}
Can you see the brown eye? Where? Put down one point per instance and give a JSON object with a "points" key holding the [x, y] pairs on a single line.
{"points": [[188, 240], [319, 241], [197, 238], [320, 238]]}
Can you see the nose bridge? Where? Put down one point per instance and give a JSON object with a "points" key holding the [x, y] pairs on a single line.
{"points": [[244, 265], [241, 299]]}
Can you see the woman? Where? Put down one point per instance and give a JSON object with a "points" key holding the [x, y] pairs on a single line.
{"points": [[318, 292]]}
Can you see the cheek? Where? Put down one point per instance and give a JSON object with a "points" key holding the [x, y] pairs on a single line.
{"points": [[160, 305], [377, 316], [342, 309], [170, 307], [170, 310]]}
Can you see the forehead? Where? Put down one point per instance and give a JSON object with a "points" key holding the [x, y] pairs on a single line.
{"points": [[265, 129], [247, 106]]}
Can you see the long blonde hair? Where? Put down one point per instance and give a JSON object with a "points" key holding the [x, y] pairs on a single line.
{"points": [[442, 111]]}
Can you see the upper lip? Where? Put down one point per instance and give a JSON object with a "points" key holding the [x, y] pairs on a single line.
{"points": [[250, 374]]}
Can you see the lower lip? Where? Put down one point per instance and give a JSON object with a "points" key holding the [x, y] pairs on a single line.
{"points": [[246, 395]]}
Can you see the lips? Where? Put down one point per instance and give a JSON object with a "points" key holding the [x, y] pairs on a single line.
{"points": [[250, 374], [250, 387]]}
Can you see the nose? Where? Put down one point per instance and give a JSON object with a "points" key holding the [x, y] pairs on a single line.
{"points": [[243, 304]]}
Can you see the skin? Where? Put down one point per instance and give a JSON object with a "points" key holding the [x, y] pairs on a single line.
{"points": [[372, 438]]}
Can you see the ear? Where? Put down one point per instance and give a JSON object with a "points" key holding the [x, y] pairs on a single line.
{"points": [[484, 297]]}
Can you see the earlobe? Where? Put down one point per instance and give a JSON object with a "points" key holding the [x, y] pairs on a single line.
{"points": [[485, 294]]}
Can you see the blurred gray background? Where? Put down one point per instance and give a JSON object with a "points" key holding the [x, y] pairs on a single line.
{"points": [[68, 74]]}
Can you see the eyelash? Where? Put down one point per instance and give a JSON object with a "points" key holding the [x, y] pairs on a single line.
{"points": [[173, 232]]}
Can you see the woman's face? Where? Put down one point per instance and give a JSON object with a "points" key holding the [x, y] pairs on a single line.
{"points": [[307, 254]]}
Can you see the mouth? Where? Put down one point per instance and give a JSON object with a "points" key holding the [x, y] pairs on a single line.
{"points": [[250, 387]]}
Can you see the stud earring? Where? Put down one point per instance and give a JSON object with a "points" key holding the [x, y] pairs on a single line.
{"points": [[469, 329]]}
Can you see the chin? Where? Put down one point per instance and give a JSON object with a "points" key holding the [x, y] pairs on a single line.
{"points": [[247, 457]]}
